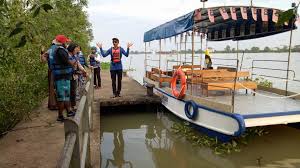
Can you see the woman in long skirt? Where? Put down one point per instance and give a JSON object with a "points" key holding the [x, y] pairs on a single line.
{"points": [[51, 92]]}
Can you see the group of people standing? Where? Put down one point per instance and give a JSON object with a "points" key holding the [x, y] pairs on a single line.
{"points": [[67, 70]]}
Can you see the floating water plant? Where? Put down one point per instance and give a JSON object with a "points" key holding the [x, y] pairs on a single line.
{"points": [[197, 139]]}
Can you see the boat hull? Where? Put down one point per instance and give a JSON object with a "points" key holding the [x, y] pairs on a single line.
{"points": [[221, 125]]}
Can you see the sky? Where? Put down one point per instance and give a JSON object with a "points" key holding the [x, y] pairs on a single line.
{"points": [[129, 19]]}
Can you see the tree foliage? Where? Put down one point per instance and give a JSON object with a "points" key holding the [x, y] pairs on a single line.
{"points": [[25, 27]]}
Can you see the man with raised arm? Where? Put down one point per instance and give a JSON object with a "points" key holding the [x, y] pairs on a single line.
{"points": [[116, 69]]}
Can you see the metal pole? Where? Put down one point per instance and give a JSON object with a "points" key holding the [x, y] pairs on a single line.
{"points": [[193, 54], [201, 51], [159, 75], [242, 61], [180, 49], [235, 79], [185, 40], [159, 54], [289, 59], [145, 61], [177, 54]]}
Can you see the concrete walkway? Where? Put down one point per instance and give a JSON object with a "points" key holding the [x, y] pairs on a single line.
{"points": [[132, 93], [37, 143]]}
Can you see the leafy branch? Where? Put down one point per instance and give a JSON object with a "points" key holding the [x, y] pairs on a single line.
{"points": [[35, 10]]}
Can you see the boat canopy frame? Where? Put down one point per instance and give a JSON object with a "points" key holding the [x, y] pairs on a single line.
{"points": [[221, 29]]}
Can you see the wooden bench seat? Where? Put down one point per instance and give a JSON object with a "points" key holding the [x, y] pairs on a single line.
{"points": [[162, 78], [223, 85], [223, 80], [198, 73], [159, 76]]}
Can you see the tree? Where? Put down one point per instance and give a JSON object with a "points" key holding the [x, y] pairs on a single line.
{"points": [[267, 49], [233, 50], [255, 49], [227, 49], [26, 26], [285, 48]]}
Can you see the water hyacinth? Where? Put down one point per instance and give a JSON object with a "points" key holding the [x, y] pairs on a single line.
{"points": [[184, 130]]}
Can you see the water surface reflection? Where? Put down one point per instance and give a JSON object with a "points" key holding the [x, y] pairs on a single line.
{"points": [[145, 139]]}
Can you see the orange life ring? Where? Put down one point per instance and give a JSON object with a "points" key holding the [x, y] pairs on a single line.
{"points": [[178, 74]]}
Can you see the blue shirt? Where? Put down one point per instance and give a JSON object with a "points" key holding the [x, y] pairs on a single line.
{"points": [[81, 59], [115, 66]]}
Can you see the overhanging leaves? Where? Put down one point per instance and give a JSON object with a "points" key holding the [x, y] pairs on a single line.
{"points": [[17, 30], [33, 7], [47, 7], [286, 16], [22, 42], [19, 24], [36, 12]]}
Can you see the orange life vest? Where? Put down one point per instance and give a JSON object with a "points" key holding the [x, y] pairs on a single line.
{"points": [[116, 55]]}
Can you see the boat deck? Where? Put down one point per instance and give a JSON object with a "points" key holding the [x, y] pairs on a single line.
{"points": [[247, 104]]}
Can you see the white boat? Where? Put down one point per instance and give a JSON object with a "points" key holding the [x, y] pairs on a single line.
{"points": [[215, 100]]}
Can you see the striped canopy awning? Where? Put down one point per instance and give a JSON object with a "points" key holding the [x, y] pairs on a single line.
{"points": [[224, 23]]}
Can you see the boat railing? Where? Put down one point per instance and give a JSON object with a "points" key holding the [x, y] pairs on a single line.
{"points": [[253, 67], [178, 62], [226, 59], [148, 65]]}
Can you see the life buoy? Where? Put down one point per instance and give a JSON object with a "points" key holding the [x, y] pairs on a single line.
{"points": [[178, 74], [187, 109]]}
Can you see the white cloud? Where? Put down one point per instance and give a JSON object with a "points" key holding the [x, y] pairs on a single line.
{"points": [[129, 19]]}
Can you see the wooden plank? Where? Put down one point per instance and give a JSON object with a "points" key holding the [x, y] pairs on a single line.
{"points": [[229, 85], [225, 74], [186, 66], [156, 70], [200, 72], [163, 78]]}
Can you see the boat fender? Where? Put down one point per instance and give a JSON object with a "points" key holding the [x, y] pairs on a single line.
{"points": [[178, 74], [191, 109]]}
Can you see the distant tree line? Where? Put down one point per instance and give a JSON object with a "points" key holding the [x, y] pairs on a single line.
{"points": [[228, 49], [284, 48]]}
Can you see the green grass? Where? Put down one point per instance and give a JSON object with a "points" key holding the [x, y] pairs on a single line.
{"points": [[105, 65]]}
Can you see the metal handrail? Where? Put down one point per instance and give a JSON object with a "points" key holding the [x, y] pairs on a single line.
{"points": [[275, 69], [229, 59], [151, 60], [183, 62], [76, 151], [225, 65], [269, 61], [272, 69], [225, 59]]}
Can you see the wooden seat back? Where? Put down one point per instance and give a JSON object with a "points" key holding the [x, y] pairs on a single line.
{"points": [[156, 71], [187, 66], [200, 72], [226, 74]]}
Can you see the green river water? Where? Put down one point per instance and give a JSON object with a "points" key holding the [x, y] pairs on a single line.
{"points": [[146, 140]]}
